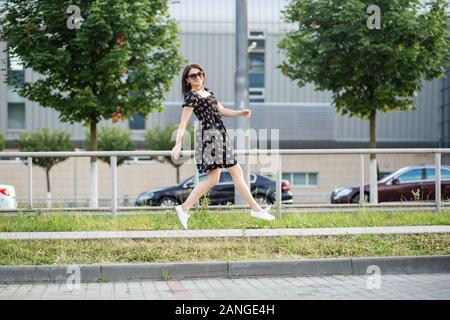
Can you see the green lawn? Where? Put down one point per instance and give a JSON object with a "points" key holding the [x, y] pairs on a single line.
{"points": [[36, 252], [202, 219]]}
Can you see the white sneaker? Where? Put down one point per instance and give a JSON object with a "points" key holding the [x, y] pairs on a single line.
{"points": [[182, 216], [263, 214]]}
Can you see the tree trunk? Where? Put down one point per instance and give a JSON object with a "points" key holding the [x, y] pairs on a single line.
{"points": [[49, 195], [373, 140], [47, 174], [178, 174], [373, 160], [373, 130], [93, 185]]}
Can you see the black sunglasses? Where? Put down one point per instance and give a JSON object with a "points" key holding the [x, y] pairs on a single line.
{"points": [[194, 75]]}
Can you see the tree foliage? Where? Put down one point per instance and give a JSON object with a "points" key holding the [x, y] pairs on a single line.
{"points": [[367, 70], [112, 138], [43, 140], [162, 138], [2, 142], [124, 54]]}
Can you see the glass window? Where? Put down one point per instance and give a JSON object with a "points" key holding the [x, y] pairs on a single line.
{"points": [[260, 44], [16, 115], [411, 176], [16, 72], [137, 122], [256, 80], [312, 179], [300, 179], [256, 62], [445, 174], [256, 33], [256, 92]]}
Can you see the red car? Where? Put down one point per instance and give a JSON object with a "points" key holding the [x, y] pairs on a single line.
{"points": [[406, 184]]}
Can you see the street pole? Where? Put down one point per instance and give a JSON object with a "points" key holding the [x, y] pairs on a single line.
{"points": [[241, 99]]}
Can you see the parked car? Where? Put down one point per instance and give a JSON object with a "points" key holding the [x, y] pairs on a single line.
{"points": [[401, 186], [7, 197], [262, 188]]}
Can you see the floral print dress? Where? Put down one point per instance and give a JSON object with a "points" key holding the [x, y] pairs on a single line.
{"points": [[213, 146]]}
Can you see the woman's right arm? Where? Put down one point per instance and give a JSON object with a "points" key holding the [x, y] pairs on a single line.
{"points": [[185, 115]]}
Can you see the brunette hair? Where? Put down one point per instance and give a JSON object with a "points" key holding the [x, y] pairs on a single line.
{"points": [[186, 87]]}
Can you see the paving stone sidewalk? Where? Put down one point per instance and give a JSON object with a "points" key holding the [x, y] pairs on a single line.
{"points": [[221, 233], [341, 287]]}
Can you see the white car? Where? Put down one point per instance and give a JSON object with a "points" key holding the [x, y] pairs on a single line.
{"points": [[7, 197]]}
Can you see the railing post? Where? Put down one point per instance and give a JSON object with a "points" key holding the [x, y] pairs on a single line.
{"points": [[373, 181], [362, 199], [196, 179], [30, 182], [278, 186], [437, 158], [114, 184]]}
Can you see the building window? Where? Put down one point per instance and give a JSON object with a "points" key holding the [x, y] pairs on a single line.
{"points": [[16, 103], [256, 62], [139, 160], [16, 72], [305, 179], [16, 115], [137, 122]]}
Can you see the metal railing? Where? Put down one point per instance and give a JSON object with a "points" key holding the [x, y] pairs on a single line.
{"points": [[277, 153]]}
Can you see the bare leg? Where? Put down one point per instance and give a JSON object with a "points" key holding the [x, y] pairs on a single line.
{"points": [[200, 189], [241, 187]]}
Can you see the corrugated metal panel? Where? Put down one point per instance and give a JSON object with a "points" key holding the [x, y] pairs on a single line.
{"points": [[280, 88], [415, 125]]}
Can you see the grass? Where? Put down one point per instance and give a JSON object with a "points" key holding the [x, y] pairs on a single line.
{"points": [[38, 252], [202, 219], [26, 252]]}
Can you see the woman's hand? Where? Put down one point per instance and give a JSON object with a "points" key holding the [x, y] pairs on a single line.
{"points": [[176, 150], [246, 113]]}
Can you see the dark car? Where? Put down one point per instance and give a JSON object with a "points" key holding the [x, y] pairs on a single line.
{"points": [[262, 188], [406, 184]]}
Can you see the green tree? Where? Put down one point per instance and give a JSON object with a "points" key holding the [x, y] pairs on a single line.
{"points": [[2, 142], [367, 70], [112, 139], [163, 138], [43, 140], [117, 59]]}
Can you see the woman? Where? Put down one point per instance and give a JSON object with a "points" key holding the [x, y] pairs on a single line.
{"points": [[211, 136]]}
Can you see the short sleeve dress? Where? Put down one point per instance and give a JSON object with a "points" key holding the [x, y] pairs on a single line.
{"points": [[213, 146]]}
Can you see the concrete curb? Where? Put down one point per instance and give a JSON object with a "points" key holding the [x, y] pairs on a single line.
{"points": [[223, 233], [230, 269]]}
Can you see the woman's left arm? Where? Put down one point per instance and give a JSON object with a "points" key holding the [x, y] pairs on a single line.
{"points": [[231, 113]]}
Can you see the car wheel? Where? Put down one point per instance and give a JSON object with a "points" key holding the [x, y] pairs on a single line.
{"points": [[167, 202], [262, 200], [355, 198]]}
